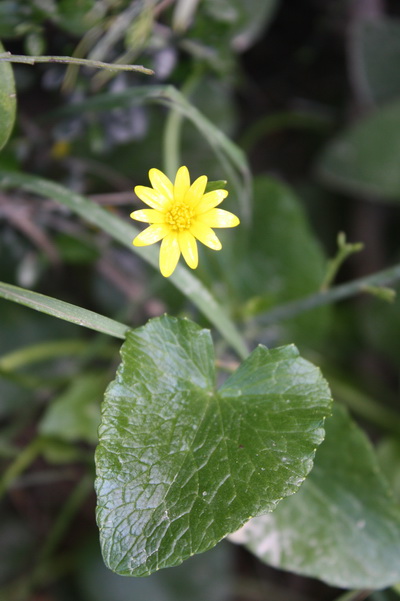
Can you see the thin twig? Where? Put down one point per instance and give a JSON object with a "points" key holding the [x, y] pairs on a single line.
{"points": [[360, 285], [32, 60]]}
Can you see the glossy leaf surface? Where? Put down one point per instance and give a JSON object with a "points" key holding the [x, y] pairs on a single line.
{"points": [[343, 526], [180, 465]]}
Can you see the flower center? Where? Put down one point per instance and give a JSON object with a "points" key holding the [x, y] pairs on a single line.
{"points": [[179, 217]]}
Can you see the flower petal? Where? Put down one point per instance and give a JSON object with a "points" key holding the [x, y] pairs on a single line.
{"points": [[148, 216], [211, 200], [169, 254], [219, 218], [151, 197], [188, 246], [205, 234], [161, 183], [196, 191], [151, 234], [182, 184]]}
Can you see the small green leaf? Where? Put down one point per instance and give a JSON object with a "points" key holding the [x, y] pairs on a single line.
{"points": [[217, 185], [364, 160], [343, 526], [8, 100], [63, 310], [382, 292], [180, 465]]}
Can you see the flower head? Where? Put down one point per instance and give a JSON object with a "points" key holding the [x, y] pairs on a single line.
{"points": [[180, 213]]}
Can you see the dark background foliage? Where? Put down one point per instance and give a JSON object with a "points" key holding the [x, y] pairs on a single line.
{"points": [[288, 87]]}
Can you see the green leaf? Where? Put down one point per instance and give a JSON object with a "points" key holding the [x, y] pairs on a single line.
{"points": [[75, 414], [181, 465], [255, 16], [63, 310], [364, 160], [217, 185], [76, 17], [124, 233], [8, 100], [376, 55], [225, 26], [389, 458], [12, 17], [343, 526], [284, 261]]}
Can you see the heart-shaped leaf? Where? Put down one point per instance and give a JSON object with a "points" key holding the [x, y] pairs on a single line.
{"points": [[343, 526], [180, 465]]}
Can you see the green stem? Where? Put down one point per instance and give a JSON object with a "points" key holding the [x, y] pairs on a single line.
{"points": [[47, 566], [333, 295], [41, 352], [23, 380], [70, 60], [24, 460], [67, 514], [173, 129], [344, 250], [283, 120], [172, 135], [365, 407]]}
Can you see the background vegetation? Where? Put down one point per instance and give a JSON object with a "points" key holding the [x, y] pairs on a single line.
{"points": [[296, 103]]}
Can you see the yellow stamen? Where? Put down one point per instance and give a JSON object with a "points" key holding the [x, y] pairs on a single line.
{"points": [[179, 217]]}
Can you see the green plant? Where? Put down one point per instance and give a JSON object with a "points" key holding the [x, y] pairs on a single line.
{"points": [[200, 437]]}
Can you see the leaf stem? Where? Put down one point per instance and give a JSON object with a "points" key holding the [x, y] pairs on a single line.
{"points": [[32, 60], [67, 514], [345, 249], [23, 460], [364, 406], [173, 129], [333, 295], [41, 352]]}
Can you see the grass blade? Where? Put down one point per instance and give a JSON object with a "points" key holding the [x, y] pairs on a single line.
{"points": [[63, 310]]}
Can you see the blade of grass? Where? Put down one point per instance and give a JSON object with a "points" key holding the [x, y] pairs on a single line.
{"points": [[124, 233], [63, 310], [7, 57]]}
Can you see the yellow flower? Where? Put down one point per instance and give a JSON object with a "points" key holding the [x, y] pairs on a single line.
{"points": [[179, 214]]}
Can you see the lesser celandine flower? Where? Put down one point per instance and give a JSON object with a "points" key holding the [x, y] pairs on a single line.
{"points": [[180, 213]]}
